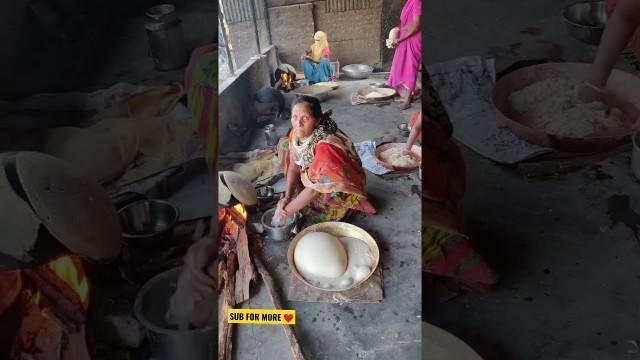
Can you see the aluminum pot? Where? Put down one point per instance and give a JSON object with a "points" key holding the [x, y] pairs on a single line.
{"points": [[279, 233], [167, 342], [586, 20]]}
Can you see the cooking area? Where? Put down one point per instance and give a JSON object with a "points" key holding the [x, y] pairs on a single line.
{"points": [[332, 226]]}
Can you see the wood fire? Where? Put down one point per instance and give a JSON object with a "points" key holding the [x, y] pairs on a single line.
{"points": [[285, 82], [52, 300], [70, 270]]}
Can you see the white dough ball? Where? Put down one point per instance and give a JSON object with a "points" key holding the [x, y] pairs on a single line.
{"points": [[361, 273], [319, 254]]}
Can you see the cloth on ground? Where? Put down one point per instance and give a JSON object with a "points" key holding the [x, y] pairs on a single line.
{"points": [[465, 86], [367, 152]]}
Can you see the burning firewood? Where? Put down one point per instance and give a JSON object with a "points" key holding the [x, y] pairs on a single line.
{"points": [[10, 287], [40, 335], [62, 300]]}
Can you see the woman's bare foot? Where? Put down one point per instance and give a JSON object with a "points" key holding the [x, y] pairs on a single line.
{"points": [[404, 105]]}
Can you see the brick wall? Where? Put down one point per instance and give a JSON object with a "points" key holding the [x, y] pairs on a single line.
{"points": [[355, 36], [292, 29]]}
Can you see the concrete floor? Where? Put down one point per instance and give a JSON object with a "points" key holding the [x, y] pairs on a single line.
{"points": [[569, 284], [386, 330]]}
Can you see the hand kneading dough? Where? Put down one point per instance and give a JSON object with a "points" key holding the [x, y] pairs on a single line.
{"points": [[319, 254]]}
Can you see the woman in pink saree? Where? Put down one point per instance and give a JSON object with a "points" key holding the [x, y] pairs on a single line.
{"points": [[408, 55]]}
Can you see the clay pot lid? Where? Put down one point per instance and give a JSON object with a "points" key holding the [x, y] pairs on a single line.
{"points": [[231, 184], [75, 209], [18, 222]]}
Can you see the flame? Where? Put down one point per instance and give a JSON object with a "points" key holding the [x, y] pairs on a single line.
{"points": [[72, 273], [241, 210], [36, 298], [286, 79]]}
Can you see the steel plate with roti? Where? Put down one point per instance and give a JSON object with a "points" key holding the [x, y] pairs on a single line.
{"points": [[330, 84], [74, 208], [376, 94]]}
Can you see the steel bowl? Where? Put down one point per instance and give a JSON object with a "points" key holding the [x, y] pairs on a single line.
{"points": [[279, 233], [357, 71], [146, 222], [586, 20], [378, 85], [403, 129], [265, 193]]}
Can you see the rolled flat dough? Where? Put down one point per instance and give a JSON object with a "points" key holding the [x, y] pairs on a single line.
{"points": [[102, 151], [319, 254], [74, 208], [18, 222]]}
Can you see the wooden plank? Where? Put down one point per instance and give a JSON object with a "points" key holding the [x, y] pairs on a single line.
{"points": [[245, 268]]}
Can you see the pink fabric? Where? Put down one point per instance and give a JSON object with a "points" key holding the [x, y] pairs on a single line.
{"points": [[406, 60], [327, 53]]}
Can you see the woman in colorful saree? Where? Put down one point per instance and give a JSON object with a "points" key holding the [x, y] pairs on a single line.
{"points": [[321, 158], [446, 248], [406, 60], [316, 60], [621, 32], [201, 83]]}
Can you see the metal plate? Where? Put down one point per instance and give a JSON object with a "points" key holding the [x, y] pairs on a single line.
{"points": [[623, 86], [337, 229], [384, 93]]}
